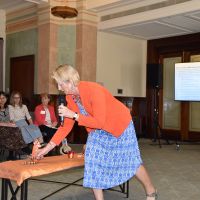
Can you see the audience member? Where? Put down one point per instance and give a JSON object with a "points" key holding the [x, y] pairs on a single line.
{"points": [[4, 112], [5, 122], [45, 117], [19, 114]]}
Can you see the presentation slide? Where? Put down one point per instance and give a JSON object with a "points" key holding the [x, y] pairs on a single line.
{"points": [[187, 81]]}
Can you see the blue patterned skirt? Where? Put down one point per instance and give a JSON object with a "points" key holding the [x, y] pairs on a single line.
{"points": [[110, 161]]}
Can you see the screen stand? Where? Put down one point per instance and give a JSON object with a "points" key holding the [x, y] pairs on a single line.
{"points": [[157, 134]]}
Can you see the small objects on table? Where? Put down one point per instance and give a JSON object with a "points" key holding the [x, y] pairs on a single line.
{"points": [[70, 154]]}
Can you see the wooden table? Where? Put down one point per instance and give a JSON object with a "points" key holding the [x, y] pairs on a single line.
{"points": [[21, 173]]}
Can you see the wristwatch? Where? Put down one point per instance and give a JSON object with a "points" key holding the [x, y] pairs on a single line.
{"points": [[75, 117]]}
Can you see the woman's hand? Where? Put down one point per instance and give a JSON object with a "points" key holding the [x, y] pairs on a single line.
{"points": [[42, 152], [30, 121], [65, 112], [13, 124], [54, 124]]}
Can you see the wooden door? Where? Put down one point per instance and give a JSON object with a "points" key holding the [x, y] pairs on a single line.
{"points": [[22, 78]]}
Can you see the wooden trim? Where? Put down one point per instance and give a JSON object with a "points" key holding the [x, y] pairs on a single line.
{"points": [[170, 134], [194, 136]]}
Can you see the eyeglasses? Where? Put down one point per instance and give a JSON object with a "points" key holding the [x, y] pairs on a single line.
{"points": [[16, 97]]}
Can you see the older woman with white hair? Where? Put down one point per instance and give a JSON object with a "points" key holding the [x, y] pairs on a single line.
{"points": [[112, 155]]}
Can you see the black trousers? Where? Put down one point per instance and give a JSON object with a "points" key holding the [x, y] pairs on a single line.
{"points": [[47, 132]]}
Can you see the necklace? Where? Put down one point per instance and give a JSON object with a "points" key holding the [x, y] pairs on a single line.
{"points": [[76, 98], [3, 113]]}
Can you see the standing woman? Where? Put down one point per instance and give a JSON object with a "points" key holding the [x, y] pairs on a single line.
{"points": [[112, 155], [19, 114]]}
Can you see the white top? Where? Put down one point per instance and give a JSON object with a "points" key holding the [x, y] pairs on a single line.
{"points": [[17, 113], [47, 117]]}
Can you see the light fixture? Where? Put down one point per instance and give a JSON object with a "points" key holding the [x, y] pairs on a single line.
{"points": [[37, 1], [64, 12]]}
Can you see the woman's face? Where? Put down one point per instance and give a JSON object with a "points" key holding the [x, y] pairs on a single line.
{"points": [[45, 101], [67, 87], [3, 100], [16, 99]]}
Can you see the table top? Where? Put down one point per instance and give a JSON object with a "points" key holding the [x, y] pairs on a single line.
{"points": [[19, 171]]}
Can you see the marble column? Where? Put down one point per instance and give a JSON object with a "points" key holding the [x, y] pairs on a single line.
{"points": [[86, 44], [47, 51]]}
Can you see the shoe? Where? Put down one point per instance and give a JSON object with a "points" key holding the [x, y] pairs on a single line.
{"points": [[154, 194]]}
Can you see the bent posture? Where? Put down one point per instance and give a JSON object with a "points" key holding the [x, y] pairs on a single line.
{"points": [[112, 155]]}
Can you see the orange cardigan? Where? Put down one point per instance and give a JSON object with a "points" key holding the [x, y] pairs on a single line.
{"points": [[104, 112]]}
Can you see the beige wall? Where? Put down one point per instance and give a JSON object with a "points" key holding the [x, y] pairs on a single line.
{"points": [[121, 64], [3, 35], [2, 23]]}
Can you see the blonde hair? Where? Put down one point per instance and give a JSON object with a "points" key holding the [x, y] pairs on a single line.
{"points": [[45, 95], [64, 73]]}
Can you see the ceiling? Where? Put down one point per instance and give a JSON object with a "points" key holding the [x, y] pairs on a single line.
{"points": [[144, 19], [162, 27], [149, 19]]}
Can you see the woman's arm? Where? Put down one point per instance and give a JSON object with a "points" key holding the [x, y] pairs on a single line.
{"points": [[42, 152], [9, 124], [11, 113], [62, 131], [27, 114]]}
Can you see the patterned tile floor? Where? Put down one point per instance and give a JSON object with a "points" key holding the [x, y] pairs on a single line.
{"points": [[176, 175]]}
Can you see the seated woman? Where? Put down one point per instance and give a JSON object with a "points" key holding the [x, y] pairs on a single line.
{"points": [[19, 114], [15, 141], [4, 112], [45, 117]]}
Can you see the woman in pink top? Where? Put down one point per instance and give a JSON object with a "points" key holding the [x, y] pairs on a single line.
{"points": [[112, 155]]}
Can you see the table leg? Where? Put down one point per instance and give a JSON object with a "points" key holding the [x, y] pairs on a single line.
{"points": [[127, 189], [24, 190], [4, 189], [7, 183]]}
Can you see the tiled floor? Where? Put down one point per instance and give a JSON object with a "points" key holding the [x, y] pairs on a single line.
{"points": [[176, 175]]}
